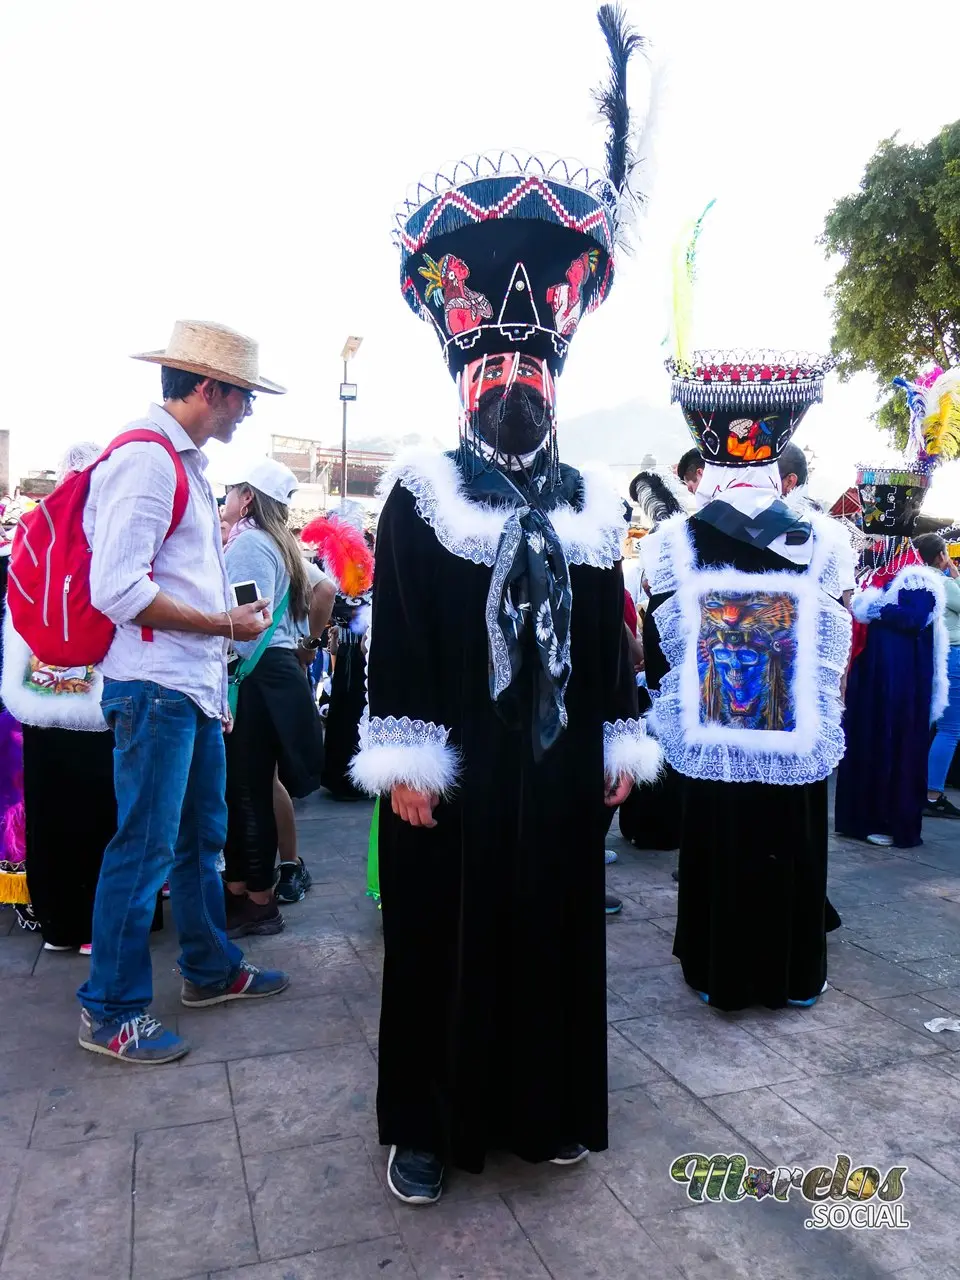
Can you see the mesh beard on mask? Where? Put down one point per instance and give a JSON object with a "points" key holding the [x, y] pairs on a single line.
{"points": [[515, 423]]}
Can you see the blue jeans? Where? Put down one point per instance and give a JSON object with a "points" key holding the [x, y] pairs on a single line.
{"points": [[170, 773], [948, 728]]}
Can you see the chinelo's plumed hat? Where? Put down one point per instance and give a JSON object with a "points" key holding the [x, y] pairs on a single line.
{"points": [[891, 497], [507, 251]]}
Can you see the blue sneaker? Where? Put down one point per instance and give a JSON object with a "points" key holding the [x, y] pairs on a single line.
{"points": [[609, 856], [141, 1039], [415, 1177], [613, 905], [250, 983]]}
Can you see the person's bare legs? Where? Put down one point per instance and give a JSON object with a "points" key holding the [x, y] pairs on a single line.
{"points": [[286, 822], [294, 879]]}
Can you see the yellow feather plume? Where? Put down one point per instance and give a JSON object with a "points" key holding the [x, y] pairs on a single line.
{"points": [[684, 274], [941, 428]]}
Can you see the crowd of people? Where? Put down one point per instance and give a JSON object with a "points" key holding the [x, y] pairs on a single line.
{"points": [[505, 690]]}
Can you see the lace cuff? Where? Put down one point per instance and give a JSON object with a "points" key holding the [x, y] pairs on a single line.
{"points": [[404, 752], [627, 748]]}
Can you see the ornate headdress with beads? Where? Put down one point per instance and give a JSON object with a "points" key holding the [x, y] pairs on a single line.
{"points": [[891, 497], [506, 252], [742, 408]]}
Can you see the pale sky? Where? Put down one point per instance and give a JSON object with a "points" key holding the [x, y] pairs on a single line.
{"points": [[239, 161]]}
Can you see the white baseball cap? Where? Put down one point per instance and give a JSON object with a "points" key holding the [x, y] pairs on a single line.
{"points": [[269, 477]]}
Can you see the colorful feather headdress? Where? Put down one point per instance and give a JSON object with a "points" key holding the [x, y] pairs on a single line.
{"points": [[934, 404], [344, 553]]}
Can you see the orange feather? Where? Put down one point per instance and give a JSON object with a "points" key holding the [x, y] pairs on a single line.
{"points": [[343, 551]]}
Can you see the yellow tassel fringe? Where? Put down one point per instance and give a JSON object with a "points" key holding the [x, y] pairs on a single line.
{"points": [[13, 888]]}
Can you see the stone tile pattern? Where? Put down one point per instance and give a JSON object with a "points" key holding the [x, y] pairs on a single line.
{"points": [[256, 1158]]}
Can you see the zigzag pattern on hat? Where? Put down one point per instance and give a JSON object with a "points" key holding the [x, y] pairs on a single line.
{"points": [[596, 220], [506, 164]]}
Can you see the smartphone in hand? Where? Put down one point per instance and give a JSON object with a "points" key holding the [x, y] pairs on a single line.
{"points": [[245, 592]]}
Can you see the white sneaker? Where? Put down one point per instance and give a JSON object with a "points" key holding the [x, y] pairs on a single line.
{"points": [[48, 946], [885, 842]]}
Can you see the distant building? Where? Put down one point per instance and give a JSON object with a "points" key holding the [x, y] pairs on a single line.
{"points": [[37, 484], [318, 469]]}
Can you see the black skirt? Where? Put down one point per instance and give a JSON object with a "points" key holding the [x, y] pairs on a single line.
{"points": [[277, 731], [348, 696], [275, 701], [71, 816], [752, 905]]}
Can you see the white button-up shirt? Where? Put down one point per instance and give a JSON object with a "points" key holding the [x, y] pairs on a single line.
{"points": [[125, 521]]}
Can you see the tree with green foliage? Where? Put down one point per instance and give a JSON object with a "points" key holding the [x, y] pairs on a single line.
{"points": [[896, 296]]}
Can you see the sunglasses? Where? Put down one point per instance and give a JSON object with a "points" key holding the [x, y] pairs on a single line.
{"points": [[249, 398]]}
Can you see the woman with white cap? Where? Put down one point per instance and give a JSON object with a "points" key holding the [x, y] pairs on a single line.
{"points": [[277, 729]]}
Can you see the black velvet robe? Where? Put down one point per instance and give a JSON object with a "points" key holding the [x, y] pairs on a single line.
{"points": [[348, 695], [493, 1027], [752, 901]]}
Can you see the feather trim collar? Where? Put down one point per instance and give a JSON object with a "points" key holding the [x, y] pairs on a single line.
{"points": [[32, 702], [471, 530]]}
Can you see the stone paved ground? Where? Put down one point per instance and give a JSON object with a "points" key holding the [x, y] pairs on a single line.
{"points": [[256, 1158]]}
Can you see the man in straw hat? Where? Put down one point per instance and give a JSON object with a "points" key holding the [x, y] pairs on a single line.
{"points": [[164, 697]]}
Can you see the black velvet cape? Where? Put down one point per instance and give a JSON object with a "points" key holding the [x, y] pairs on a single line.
{"points": [[752, 894]]}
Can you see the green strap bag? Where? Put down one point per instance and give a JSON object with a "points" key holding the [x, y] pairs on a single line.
{"points": [[246, 665]]}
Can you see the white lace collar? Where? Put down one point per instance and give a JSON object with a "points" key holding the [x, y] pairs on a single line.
{"points": [[471, 530]]}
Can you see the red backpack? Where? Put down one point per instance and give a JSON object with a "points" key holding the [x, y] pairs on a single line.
{"points": [[48, 578]]}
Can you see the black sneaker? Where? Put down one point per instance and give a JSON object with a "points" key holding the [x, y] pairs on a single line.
{"points": [[254, 919], [941, 808], [571, 1155], [415, 1177], [675, 875], [293, 882], [614, 905]]}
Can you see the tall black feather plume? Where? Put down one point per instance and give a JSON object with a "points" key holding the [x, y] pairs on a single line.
{"points": [[654, 496], [611, 98]]}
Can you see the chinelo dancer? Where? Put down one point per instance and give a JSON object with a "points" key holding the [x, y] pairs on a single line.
{"points": [[898, 682], [502, 713], [746, 654]]}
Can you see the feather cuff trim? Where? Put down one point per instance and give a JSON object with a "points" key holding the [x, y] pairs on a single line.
{"points": [[405, 752], [471, 530], [627, 748]]}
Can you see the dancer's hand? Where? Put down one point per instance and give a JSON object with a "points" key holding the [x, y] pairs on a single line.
{"points": [[618, 791], [415, 807]]}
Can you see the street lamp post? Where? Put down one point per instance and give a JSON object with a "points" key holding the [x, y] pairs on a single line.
{"points": [[348, 392]]}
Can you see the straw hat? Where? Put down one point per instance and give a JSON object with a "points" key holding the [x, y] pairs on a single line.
{"points": [[216, 352]]}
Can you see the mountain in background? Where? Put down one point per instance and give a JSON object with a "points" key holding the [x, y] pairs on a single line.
{"points": [[633, 436], [628, 438]]}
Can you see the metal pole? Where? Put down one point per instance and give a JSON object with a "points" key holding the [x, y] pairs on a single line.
{"points": [[343, 448]]}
